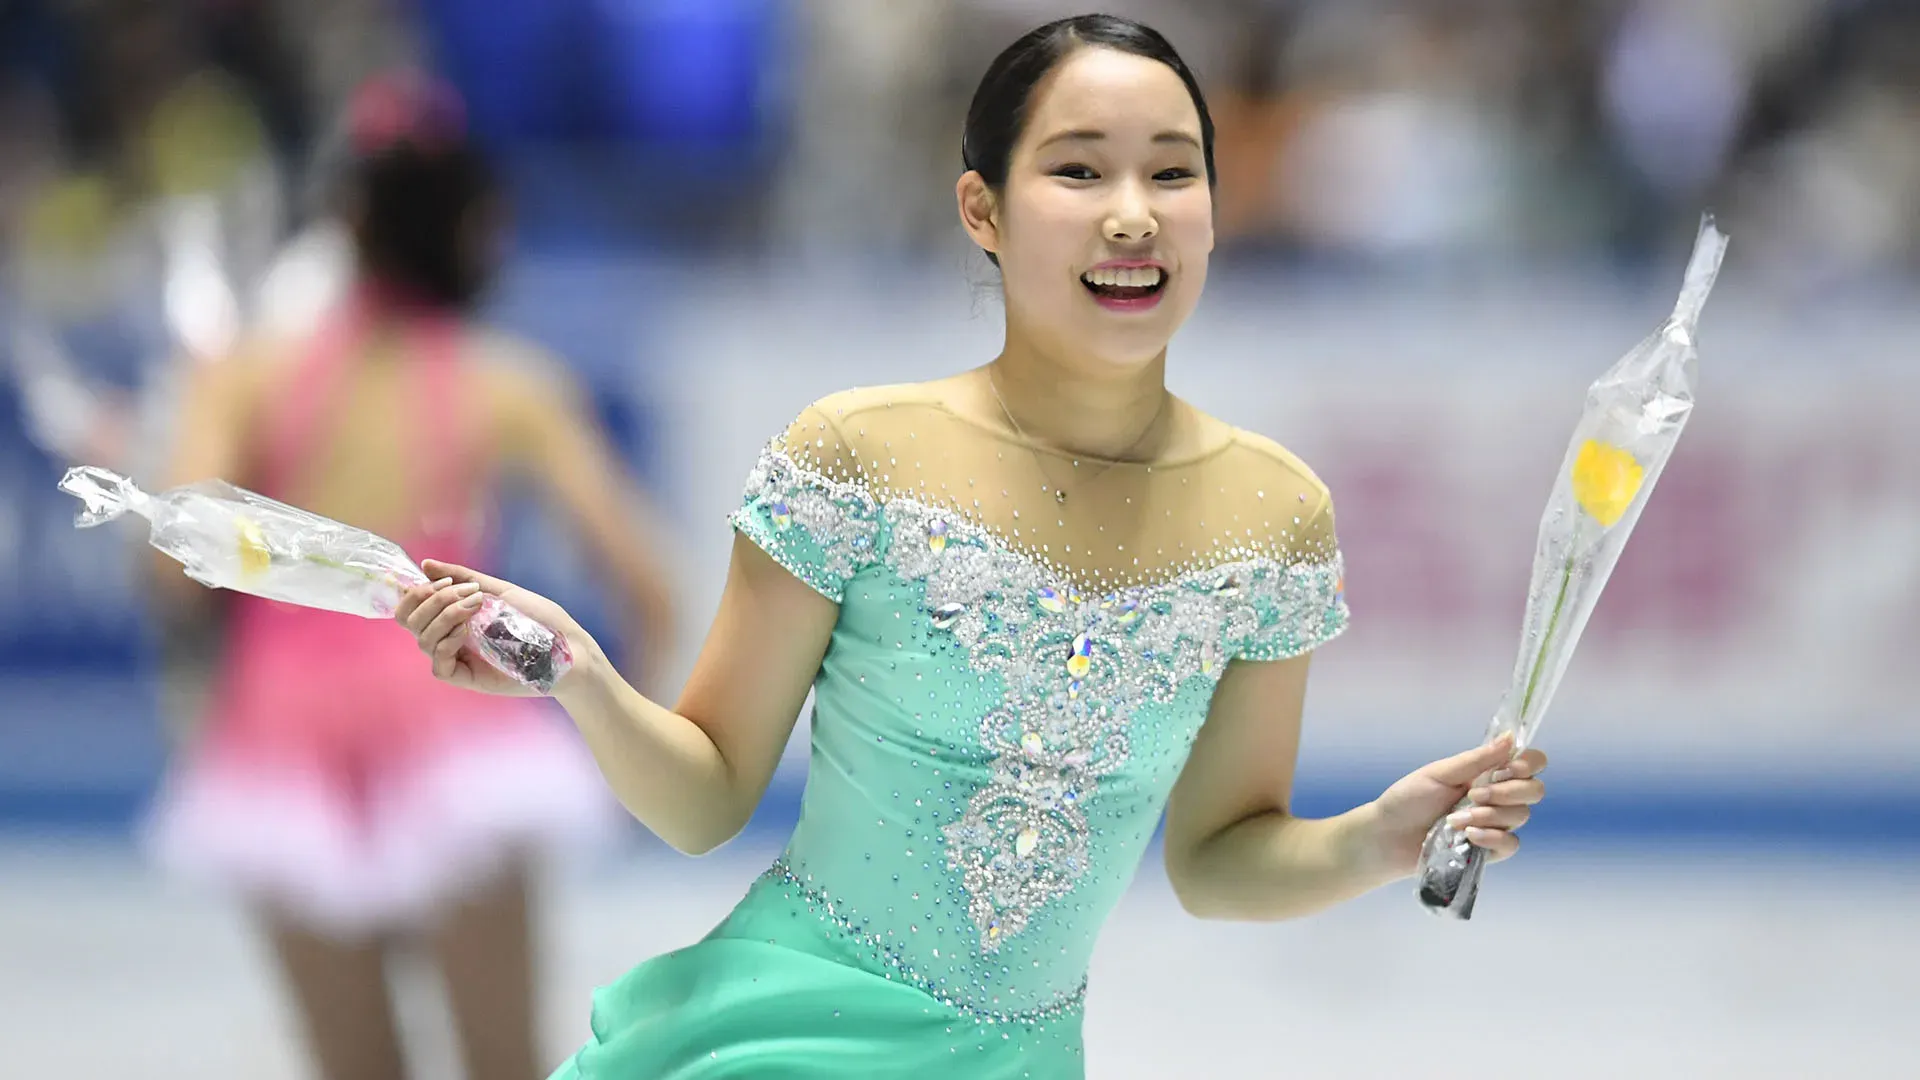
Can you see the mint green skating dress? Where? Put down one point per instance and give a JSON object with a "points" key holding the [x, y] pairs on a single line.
{"points": [[1010, 692]]}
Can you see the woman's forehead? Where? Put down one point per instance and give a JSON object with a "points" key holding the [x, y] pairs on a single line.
{"points": [[1111, 93]]}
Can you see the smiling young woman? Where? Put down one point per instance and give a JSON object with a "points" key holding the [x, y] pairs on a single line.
{"points": [[1038, 604]]}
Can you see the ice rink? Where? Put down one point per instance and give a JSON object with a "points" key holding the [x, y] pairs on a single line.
{"points": [[1589, 962]]}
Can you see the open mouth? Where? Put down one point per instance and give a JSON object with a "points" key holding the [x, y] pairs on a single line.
{"points": [[1128, 286]]}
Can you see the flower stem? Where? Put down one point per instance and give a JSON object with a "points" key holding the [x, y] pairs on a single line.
{"points": [[1546, 641], [345, 568], [335, 564]]}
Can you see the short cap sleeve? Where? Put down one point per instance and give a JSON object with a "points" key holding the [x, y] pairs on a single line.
{"points": [[1300, 604], [807, 506]]}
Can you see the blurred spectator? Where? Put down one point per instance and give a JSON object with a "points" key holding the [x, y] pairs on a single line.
{"points": [[1830, 188], [1370, 129]]}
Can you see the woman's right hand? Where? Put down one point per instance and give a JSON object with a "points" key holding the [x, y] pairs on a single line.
{"points": [[440, 614]]}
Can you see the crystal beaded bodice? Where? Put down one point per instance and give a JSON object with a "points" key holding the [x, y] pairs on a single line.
{"points": [[1013, 682]]}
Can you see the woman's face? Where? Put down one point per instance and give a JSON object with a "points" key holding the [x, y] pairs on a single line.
{"points": [[1105, 223]]}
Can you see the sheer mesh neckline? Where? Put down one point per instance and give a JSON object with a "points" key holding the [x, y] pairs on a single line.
{"points": [[913, 519], [932, 470], [1219, 442]]}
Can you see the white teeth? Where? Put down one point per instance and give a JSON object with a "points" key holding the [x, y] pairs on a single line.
{"points": [[1138, 278]]}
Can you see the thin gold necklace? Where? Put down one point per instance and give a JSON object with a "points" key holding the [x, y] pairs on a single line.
{"points": [[1060, 493]]}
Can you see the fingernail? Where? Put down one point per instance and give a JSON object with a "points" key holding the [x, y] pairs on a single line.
{"points": [[469, 588], [1478, 835], [443, 583], [1458, 818], [1500, 775], [1480, 795], [473, 601]]}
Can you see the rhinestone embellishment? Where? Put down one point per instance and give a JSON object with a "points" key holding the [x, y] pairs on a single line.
{"points": [[1081, 660], [822, 530], [900, 966], [1073, 672]]}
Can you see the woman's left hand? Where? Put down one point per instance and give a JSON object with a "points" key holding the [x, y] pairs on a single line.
{"points": [[1502, 788]]}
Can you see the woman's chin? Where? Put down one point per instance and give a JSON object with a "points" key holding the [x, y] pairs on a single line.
{"points": [[1098, 340], [1123, 347]]}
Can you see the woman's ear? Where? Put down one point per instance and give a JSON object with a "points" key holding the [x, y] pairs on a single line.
{"points": [[979, 211]]}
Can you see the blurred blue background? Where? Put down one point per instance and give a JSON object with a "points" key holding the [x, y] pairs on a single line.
{"points": [[1438, 223]]}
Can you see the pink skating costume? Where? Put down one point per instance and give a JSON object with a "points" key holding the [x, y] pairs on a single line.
{"points": [[335, 777]]}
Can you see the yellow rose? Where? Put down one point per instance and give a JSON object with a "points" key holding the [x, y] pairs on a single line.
{"points": [[254, 556], [1605, 480]]}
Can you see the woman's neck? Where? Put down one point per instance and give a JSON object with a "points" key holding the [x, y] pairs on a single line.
{"points": [[1113, 416]]}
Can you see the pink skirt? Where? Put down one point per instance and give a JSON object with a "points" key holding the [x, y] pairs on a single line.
{"points": [[339, 782]]}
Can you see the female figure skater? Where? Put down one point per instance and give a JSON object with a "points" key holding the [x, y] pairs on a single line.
{"points": [[1038, 602], [346, 793]]}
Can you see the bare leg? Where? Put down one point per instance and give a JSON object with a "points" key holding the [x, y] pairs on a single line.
{"points": [[345, 1004], [484, 949]]}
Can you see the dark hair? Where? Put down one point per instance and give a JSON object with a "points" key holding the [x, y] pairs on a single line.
{"points": [[417, 185], [998, 115]]}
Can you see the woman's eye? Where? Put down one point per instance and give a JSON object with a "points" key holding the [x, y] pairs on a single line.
{"points": [[1076, 172], [1168, 176]]}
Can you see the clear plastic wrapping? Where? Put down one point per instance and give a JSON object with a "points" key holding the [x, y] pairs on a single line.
{"points": [[1633, 418], [231, 538]]}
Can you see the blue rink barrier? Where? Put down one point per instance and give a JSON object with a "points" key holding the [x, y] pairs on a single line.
{"points": [[94, 775], [1601, 814]]}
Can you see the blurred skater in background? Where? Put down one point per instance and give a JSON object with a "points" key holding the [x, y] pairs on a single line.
{"points": [[355, 802]]}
